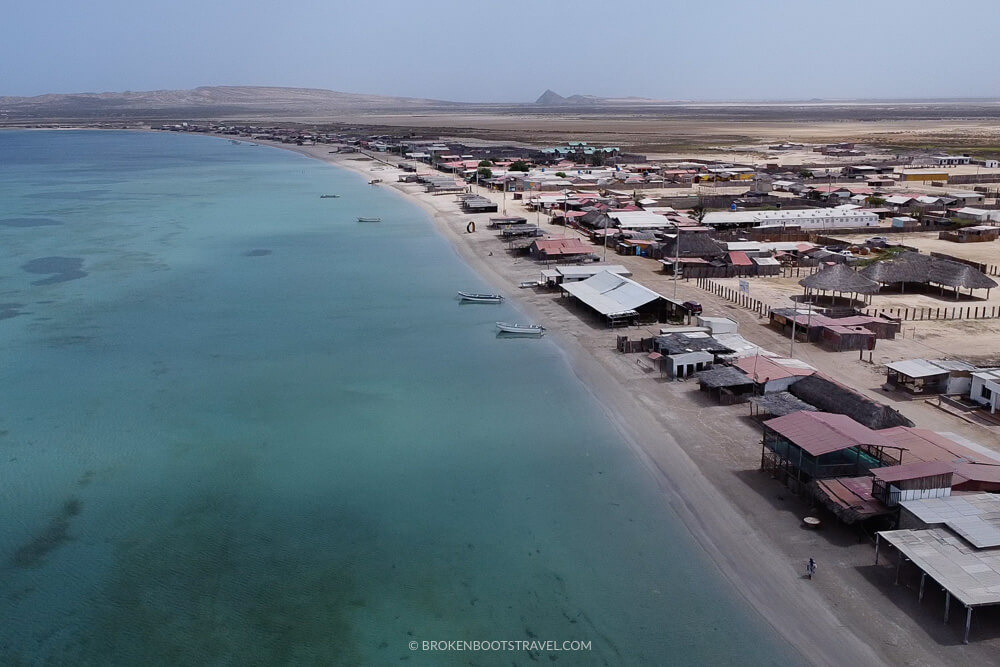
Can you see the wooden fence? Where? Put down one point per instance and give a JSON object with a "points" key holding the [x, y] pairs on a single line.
{"points": [[739, 298], [935, 313]]}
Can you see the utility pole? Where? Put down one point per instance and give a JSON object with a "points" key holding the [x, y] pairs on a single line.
{"points": [[677, 258]]}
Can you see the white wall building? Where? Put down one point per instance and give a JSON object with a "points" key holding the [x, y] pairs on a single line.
{"points": [[809, 218], [986, 389], [951, 160]]}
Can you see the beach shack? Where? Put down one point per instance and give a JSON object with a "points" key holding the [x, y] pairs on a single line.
{"points": [[772, 374], [803, 446], [685, 354], [617, 299], [569, 249], [841, 338], [727, 384], [930, 376], [957, 545]]}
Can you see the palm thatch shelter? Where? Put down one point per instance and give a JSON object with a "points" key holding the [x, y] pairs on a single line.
{"points": [[912, 267], [829, 396], [839, 278]]}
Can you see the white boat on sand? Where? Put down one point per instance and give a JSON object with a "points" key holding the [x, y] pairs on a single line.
{"points": [[480, 298], [522, 329]]}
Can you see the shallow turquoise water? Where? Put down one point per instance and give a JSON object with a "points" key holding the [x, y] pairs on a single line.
{"points": [[237, 427]]}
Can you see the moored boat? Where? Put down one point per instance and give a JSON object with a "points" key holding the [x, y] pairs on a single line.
{"points": [[480, 298], [364, 219], [522, 329]]}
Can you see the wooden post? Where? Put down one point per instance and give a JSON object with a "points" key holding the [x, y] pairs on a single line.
{"points": [[968, 624], [947, 605], [877, 538], [920, 595], [899, 566]]}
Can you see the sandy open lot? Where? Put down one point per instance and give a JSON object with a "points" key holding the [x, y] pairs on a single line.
{"points": [[927, 242]]}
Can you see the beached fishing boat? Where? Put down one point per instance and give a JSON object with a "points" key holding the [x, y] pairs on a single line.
{"points": [[364, 219], [521, 329], [480, 298], [375, 181], [329, 196], [528, 283]]}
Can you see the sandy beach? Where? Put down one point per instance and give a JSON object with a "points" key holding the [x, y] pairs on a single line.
{"points": [[706, 458]]}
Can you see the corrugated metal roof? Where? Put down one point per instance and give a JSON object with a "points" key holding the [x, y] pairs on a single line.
{"points": [[764, 369], [738, 258], [970, 575], [916, 368], [913, 471], [975, 517], [610, 294], [821, 433], [924, 445]]}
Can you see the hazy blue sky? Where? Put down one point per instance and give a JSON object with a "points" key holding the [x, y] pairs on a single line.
{"points": [[509, 51]]}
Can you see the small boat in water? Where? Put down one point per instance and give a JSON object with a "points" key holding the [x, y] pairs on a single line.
{"points": [[364, 219], [329, 196], [480, 298], [521, 329], [375, 181]]}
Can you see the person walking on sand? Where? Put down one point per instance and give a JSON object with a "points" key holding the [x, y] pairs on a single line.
{"points": [[811, 568]]}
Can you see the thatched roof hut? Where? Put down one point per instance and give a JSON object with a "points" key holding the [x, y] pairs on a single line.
{"points": [[908, 267], [912, 267], [692, 244], [840, 278], [955, 274], [829, 396]]}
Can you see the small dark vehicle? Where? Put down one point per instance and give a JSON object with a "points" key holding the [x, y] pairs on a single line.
{"points": [[693, 307]]}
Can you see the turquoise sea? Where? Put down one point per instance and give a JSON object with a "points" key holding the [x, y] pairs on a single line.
{"points": [[239, 428]]}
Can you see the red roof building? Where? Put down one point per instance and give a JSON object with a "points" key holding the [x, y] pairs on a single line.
{"points": [[819, 445]]}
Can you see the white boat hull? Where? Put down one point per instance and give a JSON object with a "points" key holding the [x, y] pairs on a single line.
{"points": [[480, 298], [522, 329]]}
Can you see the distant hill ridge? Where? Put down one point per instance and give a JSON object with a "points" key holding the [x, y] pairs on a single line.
{"points": [[223, 99], [550, 98]]}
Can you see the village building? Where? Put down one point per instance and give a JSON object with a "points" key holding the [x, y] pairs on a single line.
{"points": [[559, 249], [957, 545], [930, 376], [573, 273], [772, 374], [684, 354], [804, 446], [618, 300], [985, 388], [810, 218], [974, 234]]}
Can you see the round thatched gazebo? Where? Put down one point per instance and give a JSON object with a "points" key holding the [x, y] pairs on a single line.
{"points": [[912, 267], [839, 279]]}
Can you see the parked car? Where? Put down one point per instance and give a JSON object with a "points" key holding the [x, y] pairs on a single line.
{"points": [[693, 307]]}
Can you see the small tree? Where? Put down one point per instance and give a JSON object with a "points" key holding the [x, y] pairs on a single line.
{"points": [[485, 163], [519, 165], [805, 173], [485, 172], [875, 201], [597, 159], [561, 174]]}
